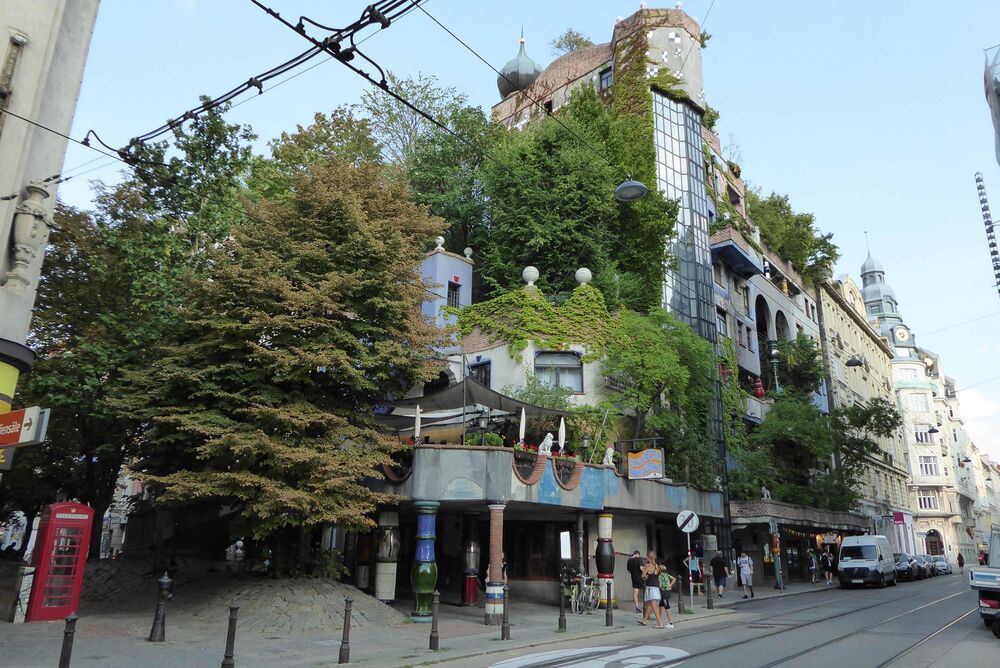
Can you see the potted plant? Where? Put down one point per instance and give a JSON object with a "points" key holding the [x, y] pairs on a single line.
{"points": [[525, 456], [565, 464]]}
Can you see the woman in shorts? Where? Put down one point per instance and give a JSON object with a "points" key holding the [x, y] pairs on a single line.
{"points": [[651, 576]]}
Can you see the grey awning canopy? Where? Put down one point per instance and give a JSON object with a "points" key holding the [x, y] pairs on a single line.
{"points": [[470, 393]]}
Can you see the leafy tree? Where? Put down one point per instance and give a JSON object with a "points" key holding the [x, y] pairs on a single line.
{"points": [[308, 316], [856, 431], [550, 203], [341, 135], [569, 41], [801, 368], [396, 127], [792, 235], [800, 441]]}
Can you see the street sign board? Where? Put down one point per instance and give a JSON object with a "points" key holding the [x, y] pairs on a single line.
{"points": [[23, 427], [6, 458], [687, 521]]}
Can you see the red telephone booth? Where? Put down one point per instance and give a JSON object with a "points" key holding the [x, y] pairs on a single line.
{"points": [[59, 557]]}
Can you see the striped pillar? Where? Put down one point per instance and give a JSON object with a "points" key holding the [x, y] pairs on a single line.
{"points": [[605, 557], [386, 556], [494, 585], [424, 574]]}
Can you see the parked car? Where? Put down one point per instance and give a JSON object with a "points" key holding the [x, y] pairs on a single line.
{"points": [[942, 564], [866, 560], [931, 568], [907, 567], [923, 565]]}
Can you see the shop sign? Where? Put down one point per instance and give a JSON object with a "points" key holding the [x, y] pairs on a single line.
{"points": [[897, 517], [829, 538]]}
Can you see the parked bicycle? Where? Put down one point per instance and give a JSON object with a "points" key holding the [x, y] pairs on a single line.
{"points": [[582, 591]]}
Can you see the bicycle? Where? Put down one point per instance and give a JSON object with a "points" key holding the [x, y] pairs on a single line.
{"points": [[583, 592]]}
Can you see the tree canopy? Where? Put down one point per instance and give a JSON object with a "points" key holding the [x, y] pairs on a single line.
{"points": [[793, 236], [570, 40]]}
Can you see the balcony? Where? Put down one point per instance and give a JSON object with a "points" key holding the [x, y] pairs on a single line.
{"points": [[757, 409], [915, 385]]}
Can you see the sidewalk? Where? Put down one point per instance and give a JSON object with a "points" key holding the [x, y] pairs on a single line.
{"points": [[119, 640]]}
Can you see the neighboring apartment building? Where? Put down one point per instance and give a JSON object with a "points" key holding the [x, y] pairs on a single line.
{"points": [[859, 362], [933, 434], [43, 48]]}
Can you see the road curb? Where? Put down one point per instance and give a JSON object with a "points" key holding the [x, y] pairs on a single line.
{"points": [[732, 604]]}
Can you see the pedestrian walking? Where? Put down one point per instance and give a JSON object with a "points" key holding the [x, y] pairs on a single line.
{"points": [[745, 564], [651, 578], [720, 571], [634, 568], [813, 567], [826, 562], [961, 562], [666, 585]]}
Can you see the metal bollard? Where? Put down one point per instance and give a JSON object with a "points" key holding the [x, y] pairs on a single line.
{"points": [[680, 597], [158, 632], [435, 640], [609, 618], [345, 643], [67, 647], [505, 625], [228, 661], [708, 591], [562, 608]]}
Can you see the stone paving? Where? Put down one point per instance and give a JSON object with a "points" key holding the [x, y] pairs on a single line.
{"points": [[288, 623]]}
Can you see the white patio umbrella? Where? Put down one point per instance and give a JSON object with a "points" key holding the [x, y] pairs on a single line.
{"points": [[562, 436], [416, 424], [523, 427]]}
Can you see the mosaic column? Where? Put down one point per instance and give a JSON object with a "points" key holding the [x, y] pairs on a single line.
{"points": [[605, 557], [470, 557], [494, 585], [386, 556], [424, 574]]}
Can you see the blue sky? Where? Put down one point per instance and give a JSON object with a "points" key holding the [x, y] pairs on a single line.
{"points": [[871, 115]]}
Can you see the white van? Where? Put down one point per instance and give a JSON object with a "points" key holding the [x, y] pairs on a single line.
{"points": [[866, 560]]}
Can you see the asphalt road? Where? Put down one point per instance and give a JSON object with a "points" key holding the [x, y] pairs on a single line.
{"points": [[932, 622]]}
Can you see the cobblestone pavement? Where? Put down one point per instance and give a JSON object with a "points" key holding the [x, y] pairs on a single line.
{"points": [[287, 623]]}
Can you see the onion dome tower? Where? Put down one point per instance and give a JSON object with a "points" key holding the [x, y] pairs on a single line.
{"points": [[519, 72]]}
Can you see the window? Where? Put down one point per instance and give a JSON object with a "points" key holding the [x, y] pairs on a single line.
{"points": [[927, 501], [453, 294], [481, 372], [722, 323], [750, 337], [918, 403], [548, 107], [746, 299], [560, 370], [741, 337], [920, 432], [908, 374], [954, 435], [719, 278], [606, 78], [874, 309], [928, 466], [862, 552]]}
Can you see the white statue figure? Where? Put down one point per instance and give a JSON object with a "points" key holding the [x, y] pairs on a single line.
{"points": [[766, 493], [545, 447], [609, 456]]}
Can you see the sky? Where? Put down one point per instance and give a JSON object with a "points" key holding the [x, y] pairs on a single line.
{"points": [[870, 115]]}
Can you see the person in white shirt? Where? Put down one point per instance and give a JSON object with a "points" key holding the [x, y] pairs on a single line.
{"points": [[745, 564]]}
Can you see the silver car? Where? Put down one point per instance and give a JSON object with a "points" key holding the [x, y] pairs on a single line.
{"points": [[942, 564]]}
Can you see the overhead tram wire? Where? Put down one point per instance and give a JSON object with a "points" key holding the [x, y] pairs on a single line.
{"points": [[127, 155]]}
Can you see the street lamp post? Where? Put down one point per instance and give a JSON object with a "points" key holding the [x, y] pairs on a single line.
{"points": [[774, 363]]}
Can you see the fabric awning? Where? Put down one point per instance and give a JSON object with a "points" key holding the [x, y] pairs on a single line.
{"points": [[470, 393]]}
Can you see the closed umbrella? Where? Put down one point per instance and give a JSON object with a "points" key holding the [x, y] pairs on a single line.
{"points": [[523, 426], [416, 425], [562, 436]]}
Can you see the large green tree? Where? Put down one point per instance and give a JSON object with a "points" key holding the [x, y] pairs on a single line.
{"points": [[794, 236], [307, 317]]}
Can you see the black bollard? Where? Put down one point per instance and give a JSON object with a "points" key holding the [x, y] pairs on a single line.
{"points": [[680, 597], [434, 620], [228, 661], [345, 643], [609, 619], [708, 591], [67, 648], [505, 625], [158, 632], [562, 607]]}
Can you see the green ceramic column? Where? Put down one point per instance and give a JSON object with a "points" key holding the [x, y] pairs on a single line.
{"points": [[424, 574]]}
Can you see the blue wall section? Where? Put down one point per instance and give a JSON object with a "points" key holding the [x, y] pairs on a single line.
{"points": [[592, 489], [548, 490]]}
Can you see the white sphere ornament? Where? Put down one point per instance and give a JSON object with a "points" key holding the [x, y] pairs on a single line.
{"points": [[583, 276], [439, 241], [530, 275], [468, 252]]}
